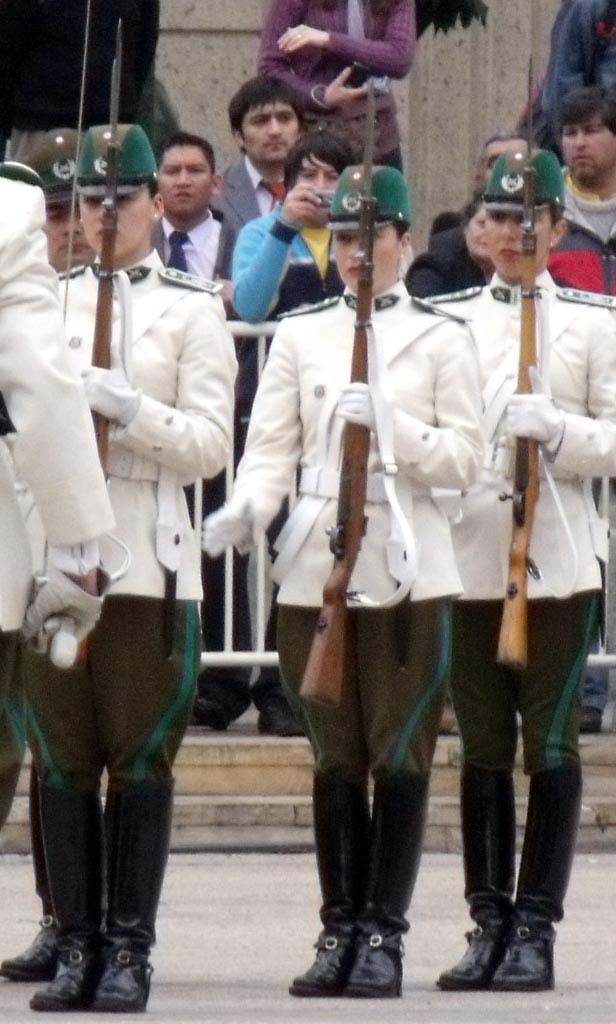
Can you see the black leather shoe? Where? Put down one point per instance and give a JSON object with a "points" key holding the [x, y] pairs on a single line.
{"points": [[75, 981], [211, 713], [124, 985], [528, 964], [39, 961], [277, 719], [328, 974], [590, 720], [487, 943], [377, 970]]}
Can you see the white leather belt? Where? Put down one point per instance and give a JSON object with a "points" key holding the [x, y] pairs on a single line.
{"points": [[131, 467], [322, 482]]}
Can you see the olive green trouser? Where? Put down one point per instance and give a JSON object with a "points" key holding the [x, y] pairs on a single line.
{"points": [[126, 709], [12, 732], [393, 692], [487, 695]]}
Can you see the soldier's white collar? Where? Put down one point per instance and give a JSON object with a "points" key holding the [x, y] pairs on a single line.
{"points": [[385, 300], [512, 294]]}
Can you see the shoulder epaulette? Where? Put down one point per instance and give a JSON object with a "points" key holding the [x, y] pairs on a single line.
{"points": [[461, 296], [73, 272], [587, 298], [183, 280], [314, 307], [428, 306]]}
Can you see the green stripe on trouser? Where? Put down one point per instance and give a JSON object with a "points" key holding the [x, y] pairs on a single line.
{"points": [[390, 713], [488, 696], [127, 709], [12, 736]]}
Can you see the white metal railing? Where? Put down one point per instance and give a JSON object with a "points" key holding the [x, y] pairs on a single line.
{"points": [[259, 657]]}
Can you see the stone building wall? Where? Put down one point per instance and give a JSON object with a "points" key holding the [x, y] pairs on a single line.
{"points": [[462, 87]]}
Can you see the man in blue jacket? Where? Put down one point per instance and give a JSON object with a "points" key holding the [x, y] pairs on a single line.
{"points": [[582, 52]]}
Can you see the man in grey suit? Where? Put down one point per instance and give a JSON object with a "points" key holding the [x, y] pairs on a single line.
{"points": [[266, 120]]}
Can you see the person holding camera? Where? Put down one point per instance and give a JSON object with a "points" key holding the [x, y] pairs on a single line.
{"points": [[283, 260]]}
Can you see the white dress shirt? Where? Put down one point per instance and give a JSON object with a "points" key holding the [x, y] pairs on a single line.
{"points": [[201, 249], [265, 199]]}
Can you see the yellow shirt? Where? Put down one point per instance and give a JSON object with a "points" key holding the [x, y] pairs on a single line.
{"points": [[317, 241]]}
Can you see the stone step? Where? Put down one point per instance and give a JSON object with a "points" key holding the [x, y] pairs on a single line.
{"points": [[284, 823], [242, 763]]}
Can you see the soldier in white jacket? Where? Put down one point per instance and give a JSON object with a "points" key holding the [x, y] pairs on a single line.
{"points": [[572, 415], [46, 413], [124, 708], [426, 419]]}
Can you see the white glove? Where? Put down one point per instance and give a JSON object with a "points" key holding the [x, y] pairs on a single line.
{"points": [[110, 394], [535, 415], [60, 597], [355, 405], [231, 526]]}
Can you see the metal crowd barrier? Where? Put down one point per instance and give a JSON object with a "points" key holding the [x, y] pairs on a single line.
{"points": [[259, 657]]}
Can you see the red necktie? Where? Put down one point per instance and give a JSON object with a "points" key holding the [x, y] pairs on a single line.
{"points": [[276, 189]]}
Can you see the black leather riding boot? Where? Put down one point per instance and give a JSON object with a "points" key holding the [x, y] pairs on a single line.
{"points": [[138, 822], [73, 836], [396, 838], [39, 961], [342, 830], [549, 845], [488, 836]]}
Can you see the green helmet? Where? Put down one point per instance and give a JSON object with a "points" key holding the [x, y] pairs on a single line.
{"points": [[54, 159], [393, 200], [136, 162], [19, 172], [506, 188]]}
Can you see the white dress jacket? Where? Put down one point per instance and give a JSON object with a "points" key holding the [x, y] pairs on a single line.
{"points": [[433, 386], [579, 366], [54, 441], [183, 361]]}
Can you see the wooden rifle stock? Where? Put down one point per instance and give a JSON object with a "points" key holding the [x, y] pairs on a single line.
{"points": [[513, 638], [103, 326], [324, 672]]}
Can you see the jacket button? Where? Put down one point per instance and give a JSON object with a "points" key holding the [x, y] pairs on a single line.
{"points": [[319, 391], [74, 342], [176, 539], [169, 421]]}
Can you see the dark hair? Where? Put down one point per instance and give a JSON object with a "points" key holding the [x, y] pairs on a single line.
{"points": [[258, 92], [445, 221], [187, 139], [582, 104], [320, 145]]}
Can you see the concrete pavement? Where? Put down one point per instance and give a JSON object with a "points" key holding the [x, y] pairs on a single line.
{"points": [[235, 928]]}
